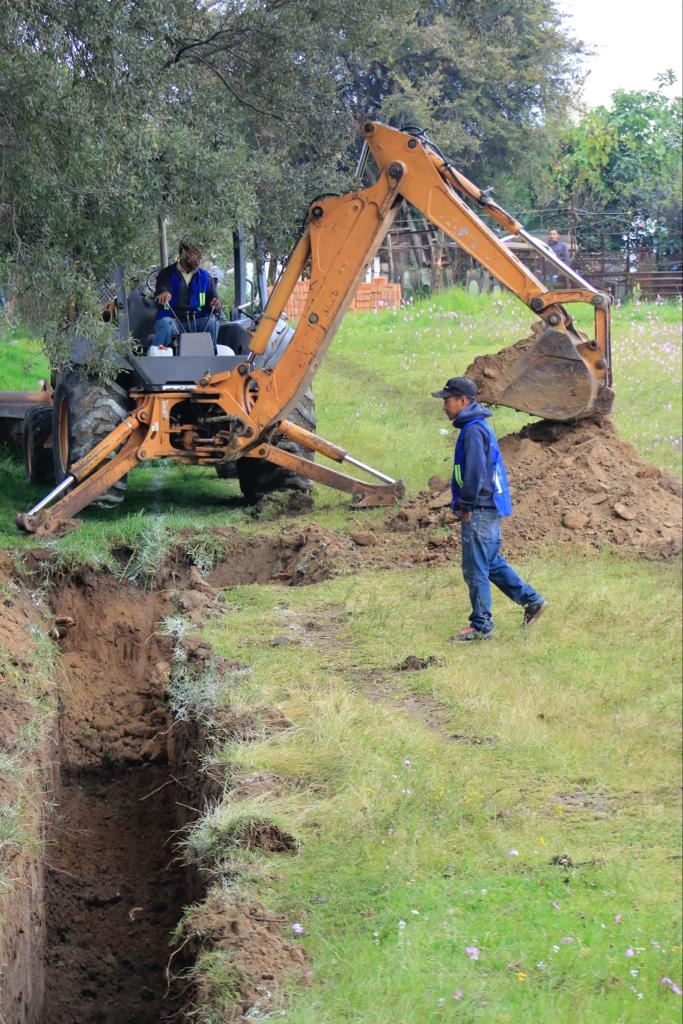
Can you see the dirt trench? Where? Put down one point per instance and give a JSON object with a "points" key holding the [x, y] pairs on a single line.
{"points": [[125, 782], [87, 937]]}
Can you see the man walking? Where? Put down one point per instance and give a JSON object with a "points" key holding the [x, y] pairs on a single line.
{"points": [[481, 498]]}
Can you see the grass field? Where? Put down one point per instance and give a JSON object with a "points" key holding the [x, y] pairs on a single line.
{"points": [[494, 838], [430, 805]]}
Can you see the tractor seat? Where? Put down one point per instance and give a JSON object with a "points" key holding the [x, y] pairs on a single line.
{"points": [[195, 343]]}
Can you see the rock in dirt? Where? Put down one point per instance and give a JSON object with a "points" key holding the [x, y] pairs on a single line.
{"points": [[575, 520], [201, 584], [624, 512], [64, 621], [363, 538]]}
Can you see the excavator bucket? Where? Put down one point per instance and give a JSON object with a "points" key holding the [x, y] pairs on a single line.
{"points": [[544, 375]]}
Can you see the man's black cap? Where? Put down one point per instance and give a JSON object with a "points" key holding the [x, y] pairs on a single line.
{"points": [[459, 387]]}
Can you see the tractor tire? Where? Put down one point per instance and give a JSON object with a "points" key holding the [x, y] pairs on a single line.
{"points": [[84, 411], [227, 471], [37, 458], [258, 478]]}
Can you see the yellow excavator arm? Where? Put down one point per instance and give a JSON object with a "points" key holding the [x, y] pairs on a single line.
{"points": [[560, 375], [563, 376]]}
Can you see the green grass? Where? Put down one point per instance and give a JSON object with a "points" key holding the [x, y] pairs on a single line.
{"points": [[567, 746], [22, 361], [567, 736]]}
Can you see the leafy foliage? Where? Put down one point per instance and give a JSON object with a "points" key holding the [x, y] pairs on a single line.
{"points": [[625, 158], [218, 113], [486, 78]]}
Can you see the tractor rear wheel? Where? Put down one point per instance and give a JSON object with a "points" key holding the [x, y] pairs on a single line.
{"points": [[258, 477], [84, 411], [37, 458]]}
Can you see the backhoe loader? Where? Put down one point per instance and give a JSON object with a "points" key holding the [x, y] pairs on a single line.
{"points": [[235, 409]]}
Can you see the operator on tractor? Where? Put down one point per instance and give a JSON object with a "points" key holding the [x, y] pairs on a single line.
{"points": [[187, 297], [481, 498]]}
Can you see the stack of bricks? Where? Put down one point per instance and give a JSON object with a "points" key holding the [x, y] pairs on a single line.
{"points": [[376, 294]]}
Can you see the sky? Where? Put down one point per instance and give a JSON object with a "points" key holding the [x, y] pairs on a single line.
{"points": [[632, 43]]}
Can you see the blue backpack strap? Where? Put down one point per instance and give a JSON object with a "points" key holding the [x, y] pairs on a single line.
{"points": [[501, 486]]}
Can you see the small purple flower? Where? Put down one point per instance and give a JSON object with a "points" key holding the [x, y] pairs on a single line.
{"points": [[617, 918], [555, 905], [566, 940], [676, 989], [629, 952], [472, 952], [513, 853], [298, 929], [458, 995], [407, 762]]}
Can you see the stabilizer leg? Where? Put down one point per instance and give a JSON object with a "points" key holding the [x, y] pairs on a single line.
{"points": [[93, 475]]}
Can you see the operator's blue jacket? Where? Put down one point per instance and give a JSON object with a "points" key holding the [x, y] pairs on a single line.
{"points": [[195, 298], [479, 476]]}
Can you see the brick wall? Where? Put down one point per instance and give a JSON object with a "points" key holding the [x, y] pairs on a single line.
{"points": [[376, 294]]}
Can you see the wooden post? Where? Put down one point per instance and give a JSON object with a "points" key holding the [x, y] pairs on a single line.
{"points": [[163, 240]]}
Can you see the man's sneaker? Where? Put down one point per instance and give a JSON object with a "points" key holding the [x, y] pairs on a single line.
{"points": [[534, 611], [470, 635]]}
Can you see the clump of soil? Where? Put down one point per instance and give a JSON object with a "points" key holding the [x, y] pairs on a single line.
{"points": [[265, 835], [574, 483], [252, 937], [495, 372], [296, 556], [414, 664]]}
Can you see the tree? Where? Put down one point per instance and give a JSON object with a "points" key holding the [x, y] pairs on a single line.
{"points": [[625, 160], [116, 110], [218, 112], [488, 79]]}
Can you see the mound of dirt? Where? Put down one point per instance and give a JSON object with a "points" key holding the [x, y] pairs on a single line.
{"points": [[577, 484], [262, 958], [296, 556]]}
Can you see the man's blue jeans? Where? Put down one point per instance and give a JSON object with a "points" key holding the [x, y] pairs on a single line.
{"points": [[483, 564], [167, 328]]}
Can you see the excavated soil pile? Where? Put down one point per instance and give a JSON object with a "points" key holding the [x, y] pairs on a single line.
{"points": [[253, 938], [573, 483]]}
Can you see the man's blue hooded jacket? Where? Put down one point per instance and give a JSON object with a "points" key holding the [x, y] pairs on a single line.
{"points": [[477, 487]]}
